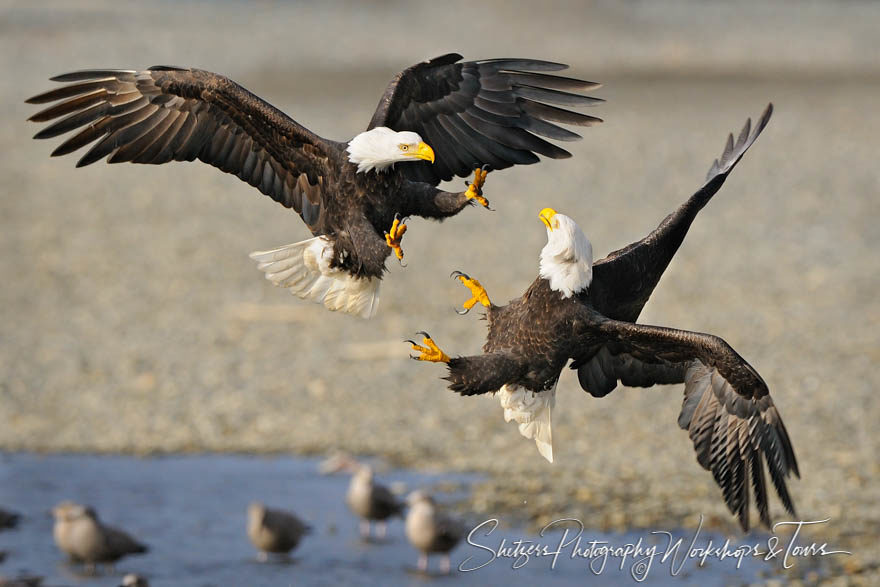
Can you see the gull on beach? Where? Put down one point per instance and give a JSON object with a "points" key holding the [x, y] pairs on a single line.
{"points": [[274, 531], [431, 530], [81, 536], [371, 501]]}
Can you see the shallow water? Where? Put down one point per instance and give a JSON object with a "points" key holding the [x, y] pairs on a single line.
{"points": [[190, 510]]}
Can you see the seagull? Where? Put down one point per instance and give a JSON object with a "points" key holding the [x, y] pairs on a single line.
{"points": [[272, 530], [371, 501], [430, 530], [80, 534]]}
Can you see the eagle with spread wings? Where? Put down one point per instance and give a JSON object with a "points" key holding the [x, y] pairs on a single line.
{"points": [[586, 312], [439, 119]]}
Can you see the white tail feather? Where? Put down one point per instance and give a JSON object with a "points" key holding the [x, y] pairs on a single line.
{"points": [[531, 411], [304, 269]]}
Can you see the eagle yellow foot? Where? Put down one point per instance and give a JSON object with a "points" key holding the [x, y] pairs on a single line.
{"points": [[429, 352], [478, 292], [475, 189], [393, 236]]}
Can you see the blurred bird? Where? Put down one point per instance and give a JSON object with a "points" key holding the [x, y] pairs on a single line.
{"points": [[132, 580], [431, 530], [22, 581], [587, 312], [352, 195], [80, 534], [372, 501], [274, 531], [8, 519]]}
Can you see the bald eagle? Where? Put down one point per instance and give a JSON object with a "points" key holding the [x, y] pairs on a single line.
{"points": [[439, 118], [587, 312]]}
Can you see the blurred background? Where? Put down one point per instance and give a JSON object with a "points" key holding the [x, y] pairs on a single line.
{"points": [[132, 320]]}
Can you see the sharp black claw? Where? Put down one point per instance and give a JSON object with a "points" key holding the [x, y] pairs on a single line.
{"points": [[402, 264], [414, 358], [410, 341], [423, 333], [456, 274], [486, 167], [462, 312]]}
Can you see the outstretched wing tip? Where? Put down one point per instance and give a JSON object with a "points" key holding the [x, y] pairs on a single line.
{"points": [[149, 116], [495, 111]]}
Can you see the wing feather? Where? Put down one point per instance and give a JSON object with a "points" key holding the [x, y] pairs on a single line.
{"points": [[727, 409], [167, 114], [497, 103], [624, 280]]}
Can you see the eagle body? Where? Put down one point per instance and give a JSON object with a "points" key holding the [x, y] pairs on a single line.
{"points": [[527, 343], [589, 318], [475, 114]]}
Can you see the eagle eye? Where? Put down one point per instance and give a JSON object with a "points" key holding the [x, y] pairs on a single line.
{"points": [[403, 147]]}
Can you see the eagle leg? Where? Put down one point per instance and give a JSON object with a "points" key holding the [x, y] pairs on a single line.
{"points": [[429, 352], [475, 189], [478, 292], [394, 236]]}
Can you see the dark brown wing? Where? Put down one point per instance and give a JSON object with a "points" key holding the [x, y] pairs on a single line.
{"points": [[171, 114], [385, 503], [482, 112], [623, 281], [727, 409]]}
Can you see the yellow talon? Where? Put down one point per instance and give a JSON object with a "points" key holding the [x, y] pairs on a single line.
{"points": [[429, 352], [478, 292], [475, 189], [393, 237]]}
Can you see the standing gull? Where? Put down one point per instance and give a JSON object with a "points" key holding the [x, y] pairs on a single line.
{"points": [[274, 531], [80, 534], [584, 312], [371, 501], [431, 530]]}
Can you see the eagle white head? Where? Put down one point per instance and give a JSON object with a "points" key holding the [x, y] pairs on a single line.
{"points": [[381, 147], [567, 258]]}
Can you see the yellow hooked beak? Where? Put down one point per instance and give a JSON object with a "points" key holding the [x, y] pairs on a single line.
{"points": [[546, 217], [425, 152]]}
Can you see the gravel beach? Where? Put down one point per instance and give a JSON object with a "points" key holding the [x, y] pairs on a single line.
{"points": [[132, 320]]}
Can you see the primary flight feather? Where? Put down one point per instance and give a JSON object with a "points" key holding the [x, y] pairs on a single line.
{"points": [[439, 119]]}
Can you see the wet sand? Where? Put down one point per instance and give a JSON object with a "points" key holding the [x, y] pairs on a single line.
{"points": [[133, 321]]}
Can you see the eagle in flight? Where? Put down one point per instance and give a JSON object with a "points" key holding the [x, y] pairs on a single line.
{"points": [[439, 118], [587, 312]]}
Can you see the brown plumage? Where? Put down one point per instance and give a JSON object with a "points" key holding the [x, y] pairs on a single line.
{"points": [[80, 534], [273, 530], [474, 114], [431, 530], [727, 409], [371, 501]]}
